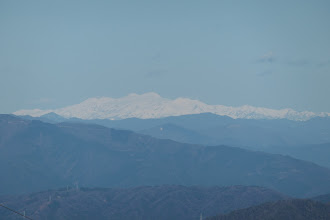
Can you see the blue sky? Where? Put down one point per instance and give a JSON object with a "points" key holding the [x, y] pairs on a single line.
{"points": [[272, 54]]}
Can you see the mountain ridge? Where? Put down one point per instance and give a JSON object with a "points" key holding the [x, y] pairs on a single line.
{"points": [[211, 129], [152, 105], [36, 156]]}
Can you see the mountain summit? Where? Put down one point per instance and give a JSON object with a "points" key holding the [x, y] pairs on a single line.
{"points": [[152, 105]]}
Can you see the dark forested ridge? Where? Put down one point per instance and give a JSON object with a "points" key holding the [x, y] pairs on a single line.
{"points": [[148, 203], [322, 198], [296, 209], [37, 156]]}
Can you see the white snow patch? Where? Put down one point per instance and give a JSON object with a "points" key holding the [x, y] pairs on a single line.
{"points": [[152, 105]]}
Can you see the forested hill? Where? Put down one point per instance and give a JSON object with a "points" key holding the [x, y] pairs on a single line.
{"points": [[296, 209], [148, 203], [36, 156]]}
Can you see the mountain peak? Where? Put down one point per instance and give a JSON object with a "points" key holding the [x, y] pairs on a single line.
{"points": [[152, 105]]}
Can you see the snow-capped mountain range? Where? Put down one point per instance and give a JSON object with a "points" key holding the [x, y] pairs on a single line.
{"points": [[152, 105]]}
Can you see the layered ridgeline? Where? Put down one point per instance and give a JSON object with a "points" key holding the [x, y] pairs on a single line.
{"points": [[37, 156], [297, 209], [151, 105], [307, 140], [149, 203]]}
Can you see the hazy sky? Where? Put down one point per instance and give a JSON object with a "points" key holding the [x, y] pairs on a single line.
{"points": [[272, 54]]}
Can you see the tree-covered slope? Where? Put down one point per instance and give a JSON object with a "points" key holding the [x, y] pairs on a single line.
{"points": [[281, 210], [147, 202], [37, 156]]}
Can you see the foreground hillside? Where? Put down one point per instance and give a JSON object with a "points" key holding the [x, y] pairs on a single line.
{"points": [[281, 210], [323, 198], [160, 202], [37, 156]]}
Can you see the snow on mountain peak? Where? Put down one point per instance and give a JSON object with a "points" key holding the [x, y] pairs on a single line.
{"points": [[152, 105]]}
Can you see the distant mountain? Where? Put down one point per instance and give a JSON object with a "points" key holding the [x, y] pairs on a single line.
{"points": [[258, 134], [306, 140], [211, 129], [281, 210], [151, 105], [50, 117], [317, 153], [147, 202], [37, 156], [177, 133]]}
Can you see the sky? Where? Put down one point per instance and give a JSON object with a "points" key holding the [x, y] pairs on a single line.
{"points": [[273, 54]]}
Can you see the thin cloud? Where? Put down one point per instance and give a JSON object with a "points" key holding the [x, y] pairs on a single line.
{"points": [[155, 73], [267, 58], [302, 62], [265, 73], [156, 57], [324, 63], [42, 101]]}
